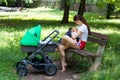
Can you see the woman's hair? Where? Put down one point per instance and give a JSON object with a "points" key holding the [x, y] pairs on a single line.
{"points": [[78, 17]]}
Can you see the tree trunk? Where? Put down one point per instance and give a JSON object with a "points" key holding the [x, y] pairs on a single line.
{"points": [[66, 13], [108, 12], [81, 7], [20, 4], [110, 9]]}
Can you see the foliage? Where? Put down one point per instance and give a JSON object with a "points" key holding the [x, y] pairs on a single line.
{"points": [[69, 2], [108, 74], [112, 9], [103, 2], [13, 1], [115, 2], [29, 1]]}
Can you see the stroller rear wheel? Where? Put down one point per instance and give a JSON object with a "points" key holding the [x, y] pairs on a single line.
{"points": [[22, 71], [50, 69]]}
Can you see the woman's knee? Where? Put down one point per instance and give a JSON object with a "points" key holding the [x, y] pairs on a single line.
{"points": [[61, 48], [65, 37]]}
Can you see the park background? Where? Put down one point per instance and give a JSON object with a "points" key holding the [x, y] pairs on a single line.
{"points": [[14, 23]]}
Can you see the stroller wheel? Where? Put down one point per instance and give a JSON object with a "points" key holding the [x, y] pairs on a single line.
{"points": [[50, 69], [20, 64], [22, 71]]}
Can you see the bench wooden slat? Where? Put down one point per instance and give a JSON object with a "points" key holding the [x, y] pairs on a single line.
{"points": [[83, 52], [99, 35], [101, 42], [78, 52]]}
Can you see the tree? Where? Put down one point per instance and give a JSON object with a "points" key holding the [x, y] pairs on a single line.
{"points": [[110, 9], [81, 7], [66, 11], [111, 6], [67, 4], [6, 2]]}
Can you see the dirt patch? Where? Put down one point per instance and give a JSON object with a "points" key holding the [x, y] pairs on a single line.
{"points": [[67, 75]]}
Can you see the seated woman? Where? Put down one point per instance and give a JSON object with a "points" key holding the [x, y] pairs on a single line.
{"points": [[69, 42]]}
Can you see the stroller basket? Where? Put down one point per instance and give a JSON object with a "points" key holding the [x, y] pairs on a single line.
{"points": [[47, 48], [28, 49]]}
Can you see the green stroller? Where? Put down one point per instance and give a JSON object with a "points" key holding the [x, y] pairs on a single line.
{"points": [[37, 52]]}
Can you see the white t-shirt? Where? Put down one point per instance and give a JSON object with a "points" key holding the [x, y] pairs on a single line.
{"points": [[84, 30]]}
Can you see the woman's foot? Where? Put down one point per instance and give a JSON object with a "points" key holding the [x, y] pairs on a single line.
{"points": [[64, 67]]}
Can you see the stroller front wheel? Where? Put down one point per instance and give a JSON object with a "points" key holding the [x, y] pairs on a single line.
{"points": [[20, 64], [22, 71], [50, 69]]}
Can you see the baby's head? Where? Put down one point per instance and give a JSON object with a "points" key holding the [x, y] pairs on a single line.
{"points": [[70, 29], [74, 30]]}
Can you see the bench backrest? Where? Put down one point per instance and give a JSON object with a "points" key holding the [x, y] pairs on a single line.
{"points": [[99, 38]]}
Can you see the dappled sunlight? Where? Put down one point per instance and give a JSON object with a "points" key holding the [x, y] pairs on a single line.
{"points": [[37, 14], [42, 13], [10, 39], [30, 15], [106, 30], [115, 21], [40, 9]]}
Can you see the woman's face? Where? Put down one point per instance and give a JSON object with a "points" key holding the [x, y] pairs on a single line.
{"points": [[78, 22]]}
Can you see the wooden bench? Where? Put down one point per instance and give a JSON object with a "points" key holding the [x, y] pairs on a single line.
{"points": [[94, 58]]}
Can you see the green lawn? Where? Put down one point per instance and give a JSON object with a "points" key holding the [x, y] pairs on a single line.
{"points": [[13, 25]]}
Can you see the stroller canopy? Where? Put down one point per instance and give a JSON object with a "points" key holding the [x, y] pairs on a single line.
{"points": [[32, 37]]}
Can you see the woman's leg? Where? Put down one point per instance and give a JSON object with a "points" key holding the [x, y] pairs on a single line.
{"points": [[69, 42], [63, 62], [66, 43]]}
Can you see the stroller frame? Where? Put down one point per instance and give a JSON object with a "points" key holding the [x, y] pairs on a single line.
{"points": [[44, 64]]}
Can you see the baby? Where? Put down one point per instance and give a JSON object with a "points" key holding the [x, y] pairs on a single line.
{"points": [[74, 31], [71, 32]]}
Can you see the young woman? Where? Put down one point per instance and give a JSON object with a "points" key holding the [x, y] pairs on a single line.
{"points": [[68, 42]]}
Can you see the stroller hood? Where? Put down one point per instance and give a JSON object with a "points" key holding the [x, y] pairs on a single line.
{"points": [[31, 37]]}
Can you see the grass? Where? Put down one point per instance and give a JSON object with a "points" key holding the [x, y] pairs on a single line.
{"points": [[13, 25]]}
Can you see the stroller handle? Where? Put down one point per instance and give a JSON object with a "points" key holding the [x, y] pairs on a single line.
{"points": [[56, 32], [52, 35]]}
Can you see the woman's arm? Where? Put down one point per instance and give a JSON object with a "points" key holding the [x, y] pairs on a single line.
{"points": [[74, 36]]}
